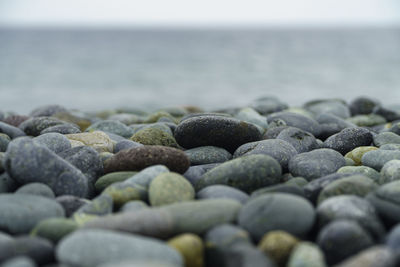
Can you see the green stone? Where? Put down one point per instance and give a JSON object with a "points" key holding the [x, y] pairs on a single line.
{"points": [[123, 192], [110, 178], [154, 136], [54, 229], [364, 170]]}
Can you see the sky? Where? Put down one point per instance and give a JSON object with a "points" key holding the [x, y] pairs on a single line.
{"points": [[198, 12]]}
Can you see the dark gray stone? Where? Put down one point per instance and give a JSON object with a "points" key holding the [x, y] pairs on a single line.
{"points": [[222, 191], [388, 113], [34, 126], [66, 128], [207, 155], [194, 173], [56, 142], [297, 120], [11, 131], [71, 203], [301, 140], [348, 139], [7, 184], [363, 105]]}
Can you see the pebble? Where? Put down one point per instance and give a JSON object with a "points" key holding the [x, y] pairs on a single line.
{"points": [[110, 178], [316, 163], [246, 173], [11, 131], [376, 159], [71, 203], [225, 132], [357, 153], [38, 189], [268, 104], [207, 155], [363, 105], [4, 141], [35, 125], [222, 191], [133, 205], [348, 139], [48, 110], [386, 138], [374, 256], [147, 175], [277, 211], [363, 170], [194, 173], [54, 229], [390, 147], [125, 144], [297, 120], [390, 172], [154, 136], [190, 247], [301, 140], [111, 126], [97, 139], [138, 158], [54, 141], [331, 106], [19, 261], [15, 120], [65, 128], [306, 254], [250, 115]]}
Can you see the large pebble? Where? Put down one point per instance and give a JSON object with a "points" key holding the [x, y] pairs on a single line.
{"points": [[35, 125], [301, 140], [218, 131], [194, 173], [377, 158], [38, 189], [252, 116], [363, 105], [363, 170], [26, 161], [297, 120], [110, 178], [246, 173], [348, 139], [95, 247], [379, 255], [386, 138], [111, 126], [357, 153], [54, 141], [307, 254], [10, 130], [277, 211], [390, 172], [154, 136], [100, 141], [222, 191], [47, 110], [316, 163], [191, 248], [207, 154], [330, 106]]}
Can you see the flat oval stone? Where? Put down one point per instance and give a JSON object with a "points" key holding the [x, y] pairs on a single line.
{"points": [[38, 189], [21, 212], [99, 140], [222, 191], [217, 131], [111, 126], [316, 163], [54, 141], [138, 158], [246, 173], [277, 211], [377, 158], [110, 178], [348, 139], [35, 125], [363, 170], [386, 138], [297, 120], [11, 131], [301, 140], [390, 172], [207, 154]]}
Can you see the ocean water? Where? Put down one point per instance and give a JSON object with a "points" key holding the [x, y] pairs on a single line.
{"points": [[149, 68]]}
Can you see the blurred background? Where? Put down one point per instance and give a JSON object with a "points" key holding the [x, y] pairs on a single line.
{"points": [[97, 54]]}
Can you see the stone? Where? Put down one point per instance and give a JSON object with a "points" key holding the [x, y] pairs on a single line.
{"points": [[38, 189], [363, 105], [348, 139], [390, 172], [194, 173], [374, 256], [27, 161], [277, 211], [147, 175], [47, 110], [280, 150], [15, 120], [133, 205], [246, 173], [363, 170], [4, 141], [376, 159], [222, 191], [390, 147], [97, 139], [252, 116], [278, 246], [356, 184], [138, 158], [35, 125], [19, 215], [167, 128], [219, 131], [301, 140], [110, 178], [19, 261], [121, 193], [154, 136], [357, 153], [54, 141], [168, 188], [155, 117], [125, 144], [66, 128], [78, 118], [92, 247], [393, 238], [386, 138], [341, 239], [207, 154], [354, 208], [316, 163], [11, 131], [100, 205], [244, 255], [190, 247], [273, 131], [279, 188], [298, 181], [296, 120], [330, 106], [390, 114], [368, 120], [268, 104], [225, 236], [306, 254], [111, 126], [54, 229], [71, 203]]}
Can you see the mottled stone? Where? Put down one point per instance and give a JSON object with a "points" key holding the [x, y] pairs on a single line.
{"points": [[207, 154], [111, 126], [386, 138], [125, 144], [301, 140], [66, 128], [298, 121], [363, 170], [154, 136], [47, 110], [124, 192], [97, 139], [252, 116], [15, 120], [306, 254], [390, 172], [133, 206], [54, 141], [368, 120], [268, 104], [357, 153], [35, 125], [54, 229], [363, 105], [190, 247], [100, 205], [348, 139], [11, 131], [377, 158], [4, 141]]}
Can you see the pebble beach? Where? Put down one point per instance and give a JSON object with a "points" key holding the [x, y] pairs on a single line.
{"points": [[264, 184]]}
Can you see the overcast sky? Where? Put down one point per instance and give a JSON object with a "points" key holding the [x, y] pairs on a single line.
{"points": [[199, 12]]}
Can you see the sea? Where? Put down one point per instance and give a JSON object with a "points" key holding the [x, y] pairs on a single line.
{"points": [[150, 68]]}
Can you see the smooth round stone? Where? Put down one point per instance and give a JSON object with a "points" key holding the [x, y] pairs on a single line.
{"points": [[297, 181], [100, 141], [277, 211], [7, 184], [194, 173], [296, 120], [393, 238], [121, 193], [352, 208], [71, 203], [357, 153], [390, 172], [278, 245], [363, 105], [395, 128], [125, 144], [4, 141], [100, 205], [138, 158], [155, 117], [225, 236], [348, 139], [54, 141], [349, 162], [167, 128], [15, 120], [331, 119], [19, 261], [374, 256], [126, 118], [246, 173], [36, 248], [330, 106], [147, 175], [280, 150], [115, 138], [363, 170], [279, 188], [38, 189], [134, 205], [115, 127], [367, 120], [168, 188], [35, 125], [376, 159], [154, 136], [301, 140], [252, 116], [11, 131], [95, 247], [268, 104], [273, 131], [47, 110], [21, 212], [390, 147], [244, 255], [207, 154], [341, 239], [386, 138], [306, 254], [110, 178], [54, 229], [190, 247], [217, 131], [390, 114], [316, 163], [222, 191], [357, 184], [27, 161], [66, 128]]}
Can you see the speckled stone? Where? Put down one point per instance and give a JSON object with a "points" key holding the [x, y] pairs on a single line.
{"points": [[368, 120], [66, 128], [357, 153], [115, 127], [363, 170], [390, 172], [97, 139], [246, 173], [54, 141], [35, 125], [301, 140], [154, 136], [100, 205], [207, 154], [386, 138], [228, 133], [348, 139], [377, 158]]}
